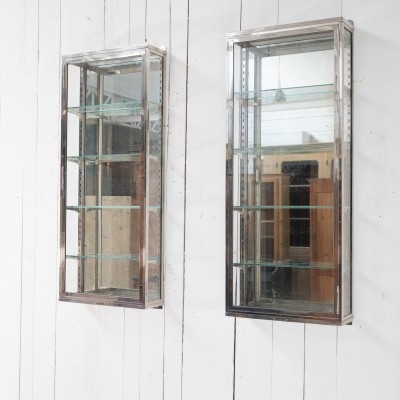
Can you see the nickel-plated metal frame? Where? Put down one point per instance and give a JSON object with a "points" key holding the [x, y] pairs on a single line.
{"points": [[337, 26], [82, 60]]}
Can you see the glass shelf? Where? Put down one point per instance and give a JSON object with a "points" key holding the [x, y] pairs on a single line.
{"points": [[91, 208], [116, 292], [102, 158], [286, 149], [286, 95], [293, 305], [240, 208], [129, 257], [285, 264], [103, 110]]}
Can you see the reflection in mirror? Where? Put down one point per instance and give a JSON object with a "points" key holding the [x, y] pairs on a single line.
{"points": [[283, 183]]}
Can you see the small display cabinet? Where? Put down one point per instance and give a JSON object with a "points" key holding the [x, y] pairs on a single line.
{"points": [[111, 177], [289, 173]]}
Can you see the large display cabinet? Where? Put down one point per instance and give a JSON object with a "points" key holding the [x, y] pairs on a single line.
{"points": [[288, 225], [111, 177]]}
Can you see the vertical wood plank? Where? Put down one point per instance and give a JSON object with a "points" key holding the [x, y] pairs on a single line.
{"points": [[253, 366], [307, 10], [208, 333], [137, 18], [320, 362], [117, 23], [90, 339], [175, 199], [288, 361], [253, 357], [152, 321], [131, 354], [28, 255], [151, 354], [47, 194], [369, 350], [157, 22], [12, 105], [258, 13], [84, 30], [90, 342]]}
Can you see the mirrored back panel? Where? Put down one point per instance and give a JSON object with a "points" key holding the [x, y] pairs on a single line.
{"points": [[289, 173]]}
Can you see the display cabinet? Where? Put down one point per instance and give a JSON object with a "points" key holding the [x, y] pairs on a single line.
{"points": [[288, 173], [111, 177]]}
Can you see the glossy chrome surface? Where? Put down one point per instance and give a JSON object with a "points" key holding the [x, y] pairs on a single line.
{"points": [[337, 26]]}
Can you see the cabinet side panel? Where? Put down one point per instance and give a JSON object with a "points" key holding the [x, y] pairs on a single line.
{"points": [[346, 173]]}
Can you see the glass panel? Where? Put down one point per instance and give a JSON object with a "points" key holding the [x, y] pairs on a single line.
{"points": [[74, 80], [282, 174], [109, 252], [104, 178], [154, 182], [346, 174]]}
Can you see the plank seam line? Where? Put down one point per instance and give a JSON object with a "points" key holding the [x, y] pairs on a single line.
{"points": [[184, 195]]}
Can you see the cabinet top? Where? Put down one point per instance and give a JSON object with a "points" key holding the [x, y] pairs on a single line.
{"points": [[278, 30], [122, 52]]}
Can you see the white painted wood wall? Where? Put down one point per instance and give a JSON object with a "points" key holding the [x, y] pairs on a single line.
{"points": [[188, 350]]}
